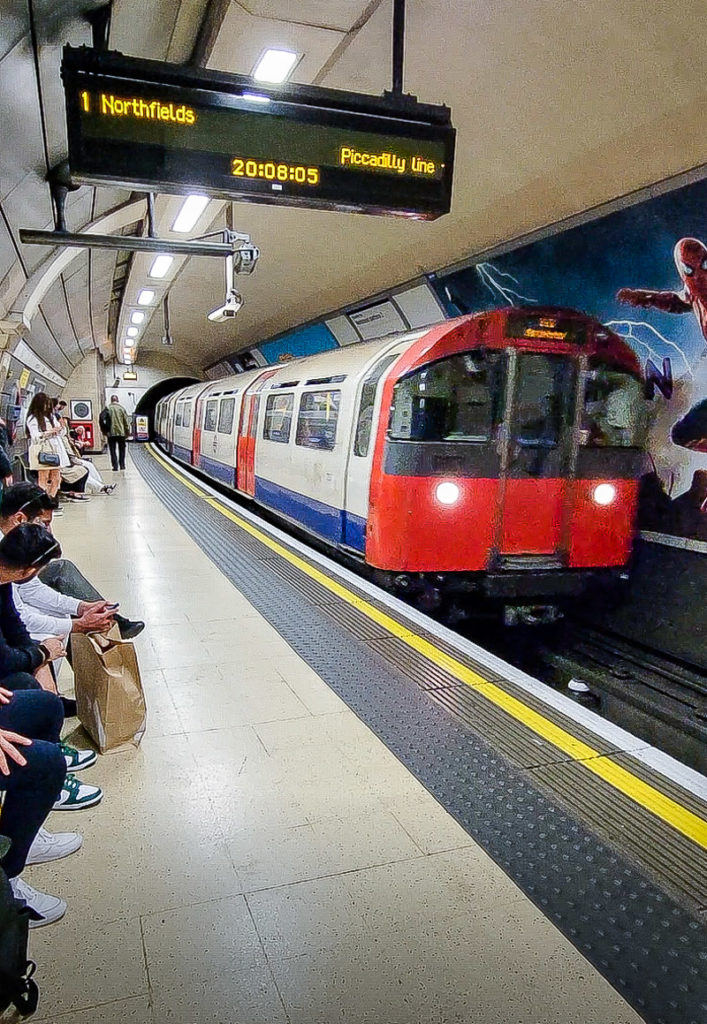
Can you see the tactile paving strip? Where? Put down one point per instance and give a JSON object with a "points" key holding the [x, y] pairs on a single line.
{"points": [[649, 946]]}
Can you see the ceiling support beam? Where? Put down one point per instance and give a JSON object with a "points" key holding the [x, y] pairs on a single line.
{"points": [[211, 24]]}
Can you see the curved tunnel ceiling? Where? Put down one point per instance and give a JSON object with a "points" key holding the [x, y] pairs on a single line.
{"points": [[559, 107]]}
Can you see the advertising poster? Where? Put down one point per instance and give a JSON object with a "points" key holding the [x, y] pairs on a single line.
{"points": [[643, 272]]}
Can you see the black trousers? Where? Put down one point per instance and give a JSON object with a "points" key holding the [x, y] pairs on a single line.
{"points": [[117, 452]]}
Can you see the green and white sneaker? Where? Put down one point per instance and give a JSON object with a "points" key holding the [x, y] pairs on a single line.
{"points": [[77, 760], [76, 794]]}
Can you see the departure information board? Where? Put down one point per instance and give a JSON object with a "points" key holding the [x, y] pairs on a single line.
{"points": [[166, 128]]}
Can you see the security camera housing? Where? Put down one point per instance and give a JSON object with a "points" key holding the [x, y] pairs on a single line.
{"points": [[229, 309]]}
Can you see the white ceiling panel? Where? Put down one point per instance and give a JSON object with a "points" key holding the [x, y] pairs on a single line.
{"points": [[21, 150], [243, 38], [340, 15]]}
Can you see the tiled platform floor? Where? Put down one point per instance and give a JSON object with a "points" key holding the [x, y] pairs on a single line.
{"points": [[263, 858]]}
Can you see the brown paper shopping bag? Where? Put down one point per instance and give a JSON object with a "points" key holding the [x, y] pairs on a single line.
{"points": [[109, 694]]}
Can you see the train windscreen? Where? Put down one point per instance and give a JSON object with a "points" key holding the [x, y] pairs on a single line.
{"points": [[615, 410], [454, 399]]}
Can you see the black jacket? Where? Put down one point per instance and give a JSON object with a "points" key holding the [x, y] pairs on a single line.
{"points": [[18, 653]]}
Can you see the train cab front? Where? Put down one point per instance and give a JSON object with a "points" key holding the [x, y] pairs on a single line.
{"points": [[509, 453]]}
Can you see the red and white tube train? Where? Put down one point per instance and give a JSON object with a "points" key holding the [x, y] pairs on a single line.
{"points": [[496, 454]]}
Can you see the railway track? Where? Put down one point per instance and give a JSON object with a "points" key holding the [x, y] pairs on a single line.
{"points": [[661, 699]]}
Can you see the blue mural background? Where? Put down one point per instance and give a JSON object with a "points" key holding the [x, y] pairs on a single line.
{"points": [[303, 341], [585, 268]]}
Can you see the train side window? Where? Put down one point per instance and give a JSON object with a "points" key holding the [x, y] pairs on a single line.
{"points": [[186, 418], [615, 410], [225, 416], [454, 399], [211, 415], [278, 418], [318, 416], [178, 420], [364, 422]]}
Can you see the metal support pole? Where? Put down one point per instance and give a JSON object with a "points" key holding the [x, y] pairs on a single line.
{"points": [[398, 45], [151, 215], [99, 20]]}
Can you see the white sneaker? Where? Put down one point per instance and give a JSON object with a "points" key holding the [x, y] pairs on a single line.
{"points": [[53, 846], [44, 909]]}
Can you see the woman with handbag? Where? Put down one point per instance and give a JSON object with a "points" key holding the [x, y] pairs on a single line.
{"points": [[47, 454]]}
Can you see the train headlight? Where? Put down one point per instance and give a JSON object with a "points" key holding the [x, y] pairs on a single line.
{"points": [[604, 494], [447, 493]]}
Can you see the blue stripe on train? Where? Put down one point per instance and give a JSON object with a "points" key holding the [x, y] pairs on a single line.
{"points": [[326, 521], [182, 453], [218, 470]]}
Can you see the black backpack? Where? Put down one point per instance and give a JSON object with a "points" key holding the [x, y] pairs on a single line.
{"points": [[17, 986], [104, 421]]}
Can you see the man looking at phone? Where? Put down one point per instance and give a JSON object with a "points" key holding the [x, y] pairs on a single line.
{"points": [[60, 600]]}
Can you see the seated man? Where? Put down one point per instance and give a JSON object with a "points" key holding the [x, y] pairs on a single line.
{"points": [[32, 771], [60, 591], [22, 554]]}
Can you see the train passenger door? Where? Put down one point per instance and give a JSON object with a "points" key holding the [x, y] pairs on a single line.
{"points": [[245, 480], [537, 450], [250, 407]]}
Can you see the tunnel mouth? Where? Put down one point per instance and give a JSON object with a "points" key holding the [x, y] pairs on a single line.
{"points": [[148, 402]]}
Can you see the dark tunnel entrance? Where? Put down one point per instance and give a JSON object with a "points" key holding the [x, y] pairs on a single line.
{"points": [[146, 405]]}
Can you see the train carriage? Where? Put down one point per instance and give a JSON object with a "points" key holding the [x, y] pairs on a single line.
{"points": [[496, 454]]}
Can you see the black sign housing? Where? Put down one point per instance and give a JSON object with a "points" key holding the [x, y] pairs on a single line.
{"points": [[168, 128]]}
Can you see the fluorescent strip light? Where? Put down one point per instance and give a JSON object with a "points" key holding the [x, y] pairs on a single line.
{"points": [[137, 317], [160, 265], [192, 208], [132, 332], [274, 66], [145, 297], [129, 343], [255, 97]]}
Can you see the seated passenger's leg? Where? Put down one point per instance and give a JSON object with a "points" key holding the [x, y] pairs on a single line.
{"points": [[63, 576], [20, 681], [30, 789]]}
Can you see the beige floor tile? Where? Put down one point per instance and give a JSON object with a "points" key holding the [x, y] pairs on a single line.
{"points": [[132, 1011], [428, 824], [236, 702], [494, 971], [423, 896], [74, 973], [314, 693], [273, 856], [206, 964]]}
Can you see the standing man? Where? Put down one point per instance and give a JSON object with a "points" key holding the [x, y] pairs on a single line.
{"points": [[115, 423]]}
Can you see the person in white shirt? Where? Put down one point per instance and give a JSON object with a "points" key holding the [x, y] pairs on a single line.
{"points": [[65, 602]]}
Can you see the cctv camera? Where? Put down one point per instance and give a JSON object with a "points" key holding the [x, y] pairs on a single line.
{"points": [[245, 259], [229, 309]]}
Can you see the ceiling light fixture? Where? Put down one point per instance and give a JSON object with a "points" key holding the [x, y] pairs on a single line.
{"points": [[137, 317], [160, 265], [145, 297], [132, 332], [192, 208], [274, 66], [255, 97], [129, 343]]}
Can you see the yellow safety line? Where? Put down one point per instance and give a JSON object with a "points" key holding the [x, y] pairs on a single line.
{"points": [[662, 806]]}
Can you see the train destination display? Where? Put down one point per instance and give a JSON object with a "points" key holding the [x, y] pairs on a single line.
{"points": [[166, 128]]}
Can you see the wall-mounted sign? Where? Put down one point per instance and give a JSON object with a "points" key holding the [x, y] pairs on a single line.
{"points": [[81, 409], [129, 375], [170, 128], [23, 379]]}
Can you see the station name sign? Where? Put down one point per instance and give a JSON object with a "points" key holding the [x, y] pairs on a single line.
{"points": [[167, 128]]}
